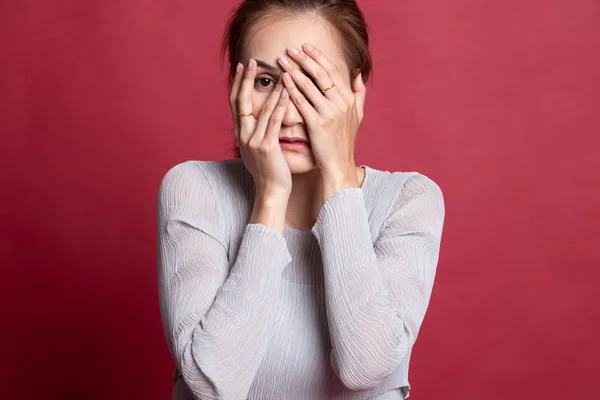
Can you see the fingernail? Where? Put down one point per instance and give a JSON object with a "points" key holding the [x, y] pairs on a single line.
{"points": [[251, 64], [308, 47], [238, 68], [283, 60], [294, 51], [284, 94], [287, 77]]}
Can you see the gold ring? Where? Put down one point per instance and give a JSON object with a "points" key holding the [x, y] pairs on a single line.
{"points": [[329, 88], [245, 115]]}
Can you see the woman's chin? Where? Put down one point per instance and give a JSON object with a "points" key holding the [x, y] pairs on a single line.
{"points": [[300, 163]]}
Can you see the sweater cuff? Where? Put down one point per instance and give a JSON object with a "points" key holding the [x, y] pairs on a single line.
{"points": [[264, 248], [343, 219]]}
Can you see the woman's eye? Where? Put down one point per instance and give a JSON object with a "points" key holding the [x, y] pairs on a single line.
{"points": [[263, 83]]}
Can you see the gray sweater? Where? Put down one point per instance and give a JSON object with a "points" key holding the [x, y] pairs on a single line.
{"points": [[331, 313]]}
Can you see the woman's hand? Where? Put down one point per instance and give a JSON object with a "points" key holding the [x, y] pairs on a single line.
{"points": [[258, 138], [333, 117]]}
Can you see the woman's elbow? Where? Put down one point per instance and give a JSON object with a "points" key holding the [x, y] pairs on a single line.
{"points": [[357, 380], [201, 382], [370, 373], [199, 386]]}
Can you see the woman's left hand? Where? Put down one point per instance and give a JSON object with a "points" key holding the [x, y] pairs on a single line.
{"points": [[333, 117]]}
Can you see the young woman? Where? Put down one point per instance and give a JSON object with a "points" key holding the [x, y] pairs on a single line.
{"points": [[293, 273]]}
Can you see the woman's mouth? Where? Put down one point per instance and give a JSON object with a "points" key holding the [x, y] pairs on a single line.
{"points": [[294, 144]]}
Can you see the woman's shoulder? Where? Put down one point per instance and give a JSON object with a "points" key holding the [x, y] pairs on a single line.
{"points": [[227, 167], [204, 172], [387, 189], [224, 180], [381, 180]]}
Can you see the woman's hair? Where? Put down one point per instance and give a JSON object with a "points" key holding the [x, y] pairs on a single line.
{"points": [[343, 15]]}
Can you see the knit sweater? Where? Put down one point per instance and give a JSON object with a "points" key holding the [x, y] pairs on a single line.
{"points": [[330, 313]]}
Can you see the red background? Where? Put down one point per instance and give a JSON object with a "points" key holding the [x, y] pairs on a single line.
{"points": [[497, 101]]}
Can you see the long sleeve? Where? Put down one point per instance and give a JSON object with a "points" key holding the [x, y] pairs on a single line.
{"points": [[216, 318], [377, 294]]}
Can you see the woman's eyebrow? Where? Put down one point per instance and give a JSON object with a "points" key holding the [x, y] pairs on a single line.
{"points": [[267, 66]]}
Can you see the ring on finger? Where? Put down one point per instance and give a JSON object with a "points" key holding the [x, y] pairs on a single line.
{"points": [[328, 88], [245, 115]]}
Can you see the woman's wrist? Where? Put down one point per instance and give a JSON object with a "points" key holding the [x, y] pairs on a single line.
{"points": [[335, 181], [270, 209]]}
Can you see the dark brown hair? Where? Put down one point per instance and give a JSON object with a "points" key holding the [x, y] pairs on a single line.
{"points": [[343, 15]]}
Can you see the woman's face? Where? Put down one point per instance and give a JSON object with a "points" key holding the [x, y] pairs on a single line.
{"points": [[269, 41]]}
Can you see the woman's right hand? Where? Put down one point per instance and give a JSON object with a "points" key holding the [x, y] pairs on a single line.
{"points": [[258, 137]]}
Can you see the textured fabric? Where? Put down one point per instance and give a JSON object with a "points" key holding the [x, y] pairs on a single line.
{"points": [[331, 313]]}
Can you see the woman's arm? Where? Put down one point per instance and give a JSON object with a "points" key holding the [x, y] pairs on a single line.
{"points": [[216, 320], [377, 295]]}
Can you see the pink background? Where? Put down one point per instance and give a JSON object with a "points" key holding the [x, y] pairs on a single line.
{"points": [[497, 101]]}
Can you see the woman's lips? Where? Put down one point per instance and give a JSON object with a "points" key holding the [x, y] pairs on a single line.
{"points": [[295, 145]]}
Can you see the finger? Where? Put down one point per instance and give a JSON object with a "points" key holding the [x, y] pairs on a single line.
{"points": [[306, 109], [314, 69], [360, 91], [267, 109], [330, 67], [244, 103], [305, 85], [276, 119], [235, 88]]}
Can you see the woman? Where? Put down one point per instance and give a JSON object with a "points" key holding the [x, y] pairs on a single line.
{"points": [[293, 273]]}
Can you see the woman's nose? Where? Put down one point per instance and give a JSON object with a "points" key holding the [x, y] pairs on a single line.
{"points": [[292, 115]]}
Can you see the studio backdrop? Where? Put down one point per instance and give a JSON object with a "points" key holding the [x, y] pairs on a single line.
{"points": [[497, 101]]}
